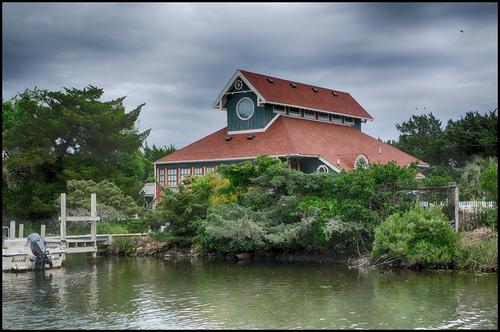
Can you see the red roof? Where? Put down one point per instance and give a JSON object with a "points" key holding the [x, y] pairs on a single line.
{"points": [[338, 144], [303, 95]]}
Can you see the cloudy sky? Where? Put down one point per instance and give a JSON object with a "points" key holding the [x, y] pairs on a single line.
{"points": [[394, 59]]}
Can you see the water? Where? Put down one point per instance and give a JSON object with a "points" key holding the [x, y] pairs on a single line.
{"points": [[148, 293]]}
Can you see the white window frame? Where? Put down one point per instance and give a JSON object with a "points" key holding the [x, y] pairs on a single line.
{"points": [[336, 118], [198, 170], [322, 167], [279, 110], [361, 157], [161, 176], [323, 116], [171, 172], [210, 169], [183, 174], [238, 105], [291, 112], [309, 114], [349, 121]]}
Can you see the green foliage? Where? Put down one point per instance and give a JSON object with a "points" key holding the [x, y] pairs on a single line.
{"points": [[491, 218], [185, 208], [50, 137], [111, 228], [479, 179], [236, 228], [150, 155], [319, 210], [419, 236], [489, 182], [123, 246], [422, 136], [478, 254], [474, 134], [112, 204]]}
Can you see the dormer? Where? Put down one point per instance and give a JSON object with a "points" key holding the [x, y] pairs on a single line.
{"points": [[254, 101]]}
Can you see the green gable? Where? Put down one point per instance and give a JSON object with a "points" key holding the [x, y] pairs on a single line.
{"points": [[261, 117]]}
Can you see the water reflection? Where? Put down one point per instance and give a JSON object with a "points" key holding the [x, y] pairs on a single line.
{"points": [[148, 293]]}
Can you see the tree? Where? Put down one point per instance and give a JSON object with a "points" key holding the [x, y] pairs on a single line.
{"points": [[50, 137], [473, 179], [423, 137], [473, 135], [150, 155]]}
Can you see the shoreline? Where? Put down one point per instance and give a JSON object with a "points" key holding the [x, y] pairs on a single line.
{"points": [[164, 250]]}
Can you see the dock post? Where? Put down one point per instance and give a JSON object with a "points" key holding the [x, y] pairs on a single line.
{"points": [[12, 229], [63, 217], [21, 231], [93, 223], [42, 231]]}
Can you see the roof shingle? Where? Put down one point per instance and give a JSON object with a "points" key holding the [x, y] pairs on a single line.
{"points": [[338, 144], [303, 95]]}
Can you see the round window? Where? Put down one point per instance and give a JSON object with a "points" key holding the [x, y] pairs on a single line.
{"points": [[245, 108]]}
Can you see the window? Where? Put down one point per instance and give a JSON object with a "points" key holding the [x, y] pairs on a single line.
{"points": [[309, 114], [279, 109], [198, 171], [172, 177], [336, 118], [348, 120], [323, 117], [294, 111], [361, 161], [245, 108], [322, 169], [210, 169], [185, 172], [161, 178]]}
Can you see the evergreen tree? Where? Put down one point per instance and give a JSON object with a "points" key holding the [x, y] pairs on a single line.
{"points": [[50, 137]]}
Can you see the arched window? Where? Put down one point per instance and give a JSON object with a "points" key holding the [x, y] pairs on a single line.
{"points": [[361, 161], [322, 169]]}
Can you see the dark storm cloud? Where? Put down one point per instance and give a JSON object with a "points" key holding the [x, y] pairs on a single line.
{"points": [[393, 58]]}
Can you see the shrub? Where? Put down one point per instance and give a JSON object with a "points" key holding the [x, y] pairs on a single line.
{"points": [[233, 227], [419, 236], [112, 204], [186, 208]]}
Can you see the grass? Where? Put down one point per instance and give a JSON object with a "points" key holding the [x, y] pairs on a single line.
{"points": [[478, 251]]}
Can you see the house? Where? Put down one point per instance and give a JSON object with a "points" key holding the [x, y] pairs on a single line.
{"points": [[315, 129]]}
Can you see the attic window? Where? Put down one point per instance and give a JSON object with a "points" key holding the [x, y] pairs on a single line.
{"points": [[335, 93], [270, 80], [315, 90], [228, 138], [250, 137], [293, 85]]}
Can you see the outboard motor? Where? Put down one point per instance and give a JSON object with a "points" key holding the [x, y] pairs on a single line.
{"points": [[38, 247]]}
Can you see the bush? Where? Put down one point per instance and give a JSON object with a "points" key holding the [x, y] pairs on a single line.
{"points": [[233, 228], [420, 236], [112, 204], [186, 208]]}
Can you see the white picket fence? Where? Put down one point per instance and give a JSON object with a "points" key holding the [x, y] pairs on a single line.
{"points": [[465, 205]]}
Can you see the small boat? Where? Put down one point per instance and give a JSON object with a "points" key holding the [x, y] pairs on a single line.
{"points": [[31, 254]]}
